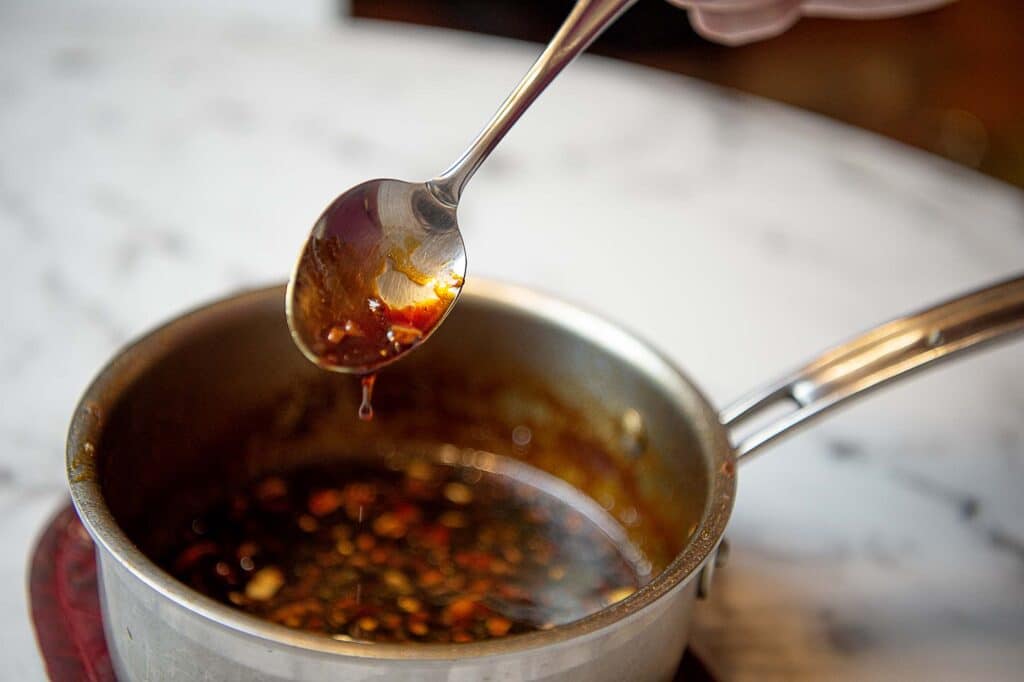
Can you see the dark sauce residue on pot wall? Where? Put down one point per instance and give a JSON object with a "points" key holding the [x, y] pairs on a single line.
{"points": [[417, 551]]}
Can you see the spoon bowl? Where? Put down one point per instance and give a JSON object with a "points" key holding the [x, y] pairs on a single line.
{"points": [[382, 267]]}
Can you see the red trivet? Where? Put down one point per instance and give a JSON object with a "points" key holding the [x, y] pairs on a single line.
{"points": [[66, 603], [66, 607]]}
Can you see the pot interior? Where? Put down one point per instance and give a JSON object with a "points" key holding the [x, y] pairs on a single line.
{"points": [[223, 395]]}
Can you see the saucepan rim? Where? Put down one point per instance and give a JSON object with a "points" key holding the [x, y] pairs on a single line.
{"points": [[132, 361]]}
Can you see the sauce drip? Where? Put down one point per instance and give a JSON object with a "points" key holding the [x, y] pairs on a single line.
{"points": [[411, 550], [366, 406], [341, 316]]}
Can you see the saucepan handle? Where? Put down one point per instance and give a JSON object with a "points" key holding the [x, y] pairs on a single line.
{"points": [[886, 353]]}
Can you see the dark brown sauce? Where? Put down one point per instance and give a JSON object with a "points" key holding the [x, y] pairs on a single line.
{"points": [[406, 551], [342, 317]]}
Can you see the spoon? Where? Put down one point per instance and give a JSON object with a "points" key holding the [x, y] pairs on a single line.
{"points": [[385, 262]]}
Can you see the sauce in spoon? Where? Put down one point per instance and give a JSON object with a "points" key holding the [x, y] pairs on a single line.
{"points": [[360, 295], [344, 320]]}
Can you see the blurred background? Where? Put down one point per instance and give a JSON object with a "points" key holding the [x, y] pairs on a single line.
{"points": [[948, 81]]}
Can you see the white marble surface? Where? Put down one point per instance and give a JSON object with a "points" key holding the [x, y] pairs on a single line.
{"points": [[150, 162]]}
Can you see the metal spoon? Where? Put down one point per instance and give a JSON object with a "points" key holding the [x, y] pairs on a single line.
{"points": [[385, 262]]}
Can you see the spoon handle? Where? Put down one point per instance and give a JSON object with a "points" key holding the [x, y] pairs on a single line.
{"points": [[588, 19]]}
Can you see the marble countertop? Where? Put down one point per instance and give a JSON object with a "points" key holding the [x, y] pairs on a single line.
{"points": [[153, 161]]}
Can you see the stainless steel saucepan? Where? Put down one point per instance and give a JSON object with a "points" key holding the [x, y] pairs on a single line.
{"points": [[222, 392]]}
